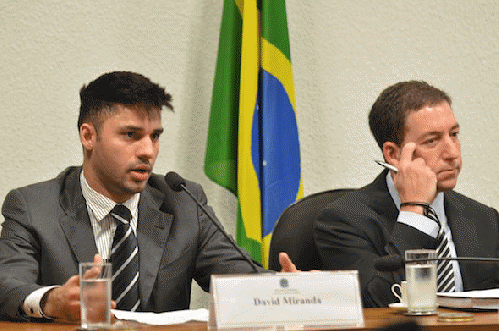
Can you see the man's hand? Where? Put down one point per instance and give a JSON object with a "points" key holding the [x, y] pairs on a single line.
{"points": [[414, 181], [63, 303], [286, 264]]}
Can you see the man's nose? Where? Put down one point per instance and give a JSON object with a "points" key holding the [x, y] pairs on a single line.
{"points": [[146, 149], [452, 148]]}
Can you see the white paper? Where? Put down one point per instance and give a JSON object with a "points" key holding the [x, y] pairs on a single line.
{"points": [[492, 293], [168, 318]]}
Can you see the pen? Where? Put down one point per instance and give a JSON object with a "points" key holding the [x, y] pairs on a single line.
{"points": [[386, 165]]}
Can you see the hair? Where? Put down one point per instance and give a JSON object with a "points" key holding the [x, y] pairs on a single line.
{"points": [[131, 89], [389, 112]]}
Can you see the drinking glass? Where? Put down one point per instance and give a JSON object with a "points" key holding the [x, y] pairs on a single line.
{"points": [[421, 276], [95, 295]]}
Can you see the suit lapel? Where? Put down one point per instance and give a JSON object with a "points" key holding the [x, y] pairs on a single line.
{"points": [[380, 200], [152, 231], [76, 223], [465, 234], [459, 219]]}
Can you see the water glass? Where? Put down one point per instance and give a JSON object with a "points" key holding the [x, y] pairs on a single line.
{"points": [[95, 294], [421, 279]]}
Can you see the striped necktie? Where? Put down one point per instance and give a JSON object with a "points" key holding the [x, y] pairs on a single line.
{"points": [[445, 271], [125, 261]]}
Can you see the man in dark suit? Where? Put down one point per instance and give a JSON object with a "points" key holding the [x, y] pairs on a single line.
{"points": [[417, 132], [53, 226]]}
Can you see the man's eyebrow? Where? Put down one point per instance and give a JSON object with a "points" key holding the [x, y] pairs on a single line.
{"points": [[140, 128], [133, 128], [438, 133], [431, 134]]}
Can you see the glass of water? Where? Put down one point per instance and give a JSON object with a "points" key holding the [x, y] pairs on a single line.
{"points": [[95, 295], [421, 276]]}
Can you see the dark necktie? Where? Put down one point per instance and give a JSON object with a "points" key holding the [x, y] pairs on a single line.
{"points": [[125, 261], [445, 271]]}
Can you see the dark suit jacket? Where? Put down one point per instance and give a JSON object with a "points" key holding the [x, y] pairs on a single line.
{"points": [[361, 227], [47, 232]]}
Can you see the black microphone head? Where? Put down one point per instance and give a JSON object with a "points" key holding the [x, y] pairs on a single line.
{"points": [[175, 181], [389, 263]]}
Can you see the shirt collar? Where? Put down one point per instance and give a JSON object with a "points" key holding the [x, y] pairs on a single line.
{"points": [[101, 205]]}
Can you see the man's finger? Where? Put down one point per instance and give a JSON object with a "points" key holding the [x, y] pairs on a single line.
{"points": [[98, 259], [407, 153], [286, 264], [73, 281], [97, 268], [93, 272]]}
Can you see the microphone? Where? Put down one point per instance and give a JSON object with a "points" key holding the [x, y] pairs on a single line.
{"points": [[391, 263], [175, 181], [177, 184]]}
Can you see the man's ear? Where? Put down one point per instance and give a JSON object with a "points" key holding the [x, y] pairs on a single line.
{"points": [[391, 152], [88, 136]]}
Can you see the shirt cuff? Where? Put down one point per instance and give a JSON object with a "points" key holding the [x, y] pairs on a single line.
{"points": [[419, 222], [31, 305]]}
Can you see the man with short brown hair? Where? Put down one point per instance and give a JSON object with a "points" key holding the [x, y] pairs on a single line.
{"points": [[415, 207]]}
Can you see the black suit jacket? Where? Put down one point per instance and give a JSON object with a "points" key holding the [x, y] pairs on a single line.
{"points": [[362, 226], [47, 233]]}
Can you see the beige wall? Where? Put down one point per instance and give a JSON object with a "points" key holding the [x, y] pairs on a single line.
{"points": [[343, 52]]}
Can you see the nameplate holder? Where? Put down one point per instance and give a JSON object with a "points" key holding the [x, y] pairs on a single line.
{"points": [[288, 301]]}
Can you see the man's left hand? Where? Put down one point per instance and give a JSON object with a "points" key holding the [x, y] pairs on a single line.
{"points": [[286, 264]]}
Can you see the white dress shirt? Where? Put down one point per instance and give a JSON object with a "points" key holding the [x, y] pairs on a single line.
{"points": [[103, 224]]}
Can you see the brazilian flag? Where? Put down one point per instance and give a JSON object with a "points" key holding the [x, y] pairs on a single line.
{"points": [[253, 148]]}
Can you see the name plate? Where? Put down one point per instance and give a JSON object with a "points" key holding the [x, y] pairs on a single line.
{"points": [[287, 300]]}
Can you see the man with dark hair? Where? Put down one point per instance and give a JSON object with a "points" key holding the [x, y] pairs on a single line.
{"points": [[51, 227], [120, 87], [415, 207]]}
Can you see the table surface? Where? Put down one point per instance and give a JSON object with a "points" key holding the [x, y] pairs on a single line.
{"points": [[373, 319]]}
